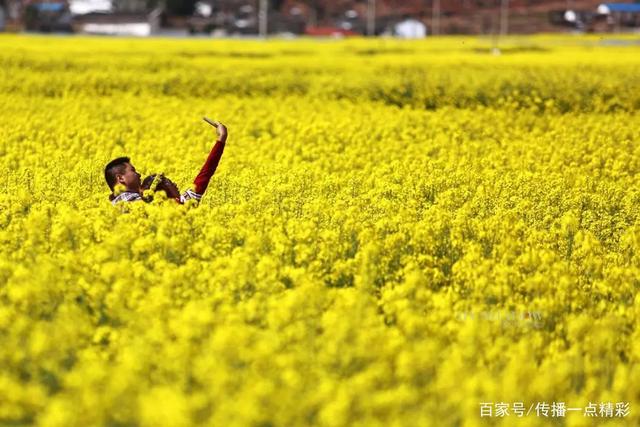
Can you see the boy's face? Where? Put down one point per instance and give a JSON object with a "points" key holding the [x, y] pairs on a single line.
{"points": [[130, 178]]}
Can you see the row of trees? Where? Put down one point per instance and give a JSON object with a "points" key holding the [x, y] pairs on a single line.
{"points": [[325, 8]]}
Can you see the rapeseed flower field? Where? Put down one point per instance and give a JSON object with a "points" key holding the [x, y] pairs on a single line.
{"points": [[398, 234]]}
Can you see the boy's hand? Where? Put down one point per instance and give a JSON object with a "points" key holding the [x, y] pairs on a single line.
{"points": [[169, 188], [221, 130]]}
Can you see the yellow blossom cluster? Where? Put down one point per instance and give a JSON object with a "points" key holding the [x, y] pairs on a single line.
{"points": [[396, 232]]}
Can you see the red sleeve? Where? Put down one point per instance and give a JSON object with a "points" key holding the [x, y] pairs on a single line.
{"points": [[202, 180]]}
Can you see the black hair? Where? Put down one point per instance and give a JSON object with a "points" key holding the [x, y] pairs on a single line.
{"points": [[114, 167]]}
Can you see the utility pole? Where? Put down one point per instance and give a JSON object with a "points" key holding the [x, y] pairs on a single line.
{"points": [[263, 18], [435, 17], [371, 17], [504, 17]]}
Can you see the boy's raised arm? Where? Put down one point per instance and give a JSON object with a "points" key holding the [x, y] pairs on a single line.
{"points": [[206, 172]]}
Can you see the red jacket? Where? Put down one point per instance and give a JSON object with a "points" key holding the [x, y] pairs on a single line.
{"points": [[204, 176]]}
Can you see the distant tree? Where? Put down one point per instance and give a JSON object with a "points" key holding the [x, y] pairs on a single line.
{"points": [[138, 6], [180, 7], [318, 10]]}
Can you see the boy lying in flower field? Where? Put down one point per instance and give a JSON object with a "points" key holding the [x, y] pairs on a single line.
{"points": [[120, 172]]}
